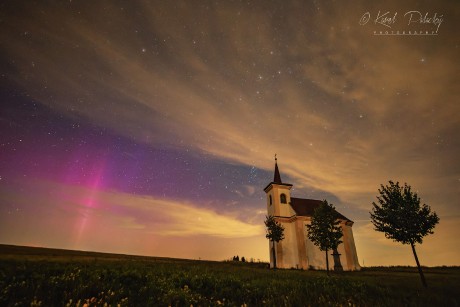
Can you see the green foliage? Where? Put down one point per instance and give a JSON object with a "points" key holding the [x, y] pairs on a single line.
{"points": [[399, 215], [324, 230], [200, 283], [275, 231]]}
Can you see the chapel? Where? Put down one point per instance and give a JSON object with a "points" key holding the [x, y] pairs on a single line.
{"points": [[296, 250]]}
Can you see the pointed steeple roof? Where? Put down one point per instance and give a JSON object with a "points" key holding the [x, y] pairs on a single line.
{"points": [[277, 177]]}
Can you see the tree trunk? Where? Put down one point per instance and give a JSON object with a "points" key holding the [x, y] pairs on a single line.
{"points": [[274, 255], [418, 266], [327, 263]]}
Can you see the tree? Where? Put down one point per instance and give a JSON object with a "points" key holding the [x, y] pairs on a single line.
{"points": [[324, 230], [275, 233], [402, 219]]}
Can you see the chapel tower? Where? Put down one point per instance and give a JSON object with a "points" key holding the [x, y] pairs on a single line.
{"points": [[278, 196], [278, 206]]}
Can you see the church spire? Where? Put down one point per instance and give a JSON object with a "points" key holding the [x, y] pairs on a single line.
{"points": [[277, 177]]}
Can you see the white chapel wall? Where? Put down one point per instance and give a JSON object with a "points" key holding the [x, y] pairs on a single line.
{"points": [[353, 261], [317, 258], [290, 250]]}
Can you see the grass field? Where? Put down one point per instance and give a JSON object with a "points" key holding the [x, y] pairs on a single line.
{"points": [[49, 277]]}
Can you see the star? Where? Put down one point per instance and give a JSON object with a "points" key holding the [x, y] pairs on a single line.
{"points": [[185, 107]]}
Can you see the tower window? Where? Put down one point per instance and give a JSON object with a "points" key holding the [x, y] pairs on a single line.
{"points": [[283, 198], [270, 199]]}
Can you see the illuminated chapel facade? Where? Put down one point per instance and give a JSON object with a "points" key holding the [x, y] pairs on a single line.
{"points": [[296, 250]]}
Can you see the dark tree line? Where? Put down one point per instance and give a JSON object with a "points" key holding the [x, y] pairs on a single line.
{"points": [[237, 258]]}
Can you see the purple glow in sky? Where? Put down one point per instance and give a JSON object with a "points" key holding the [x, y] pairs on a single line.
{"points": [[150, 127]]}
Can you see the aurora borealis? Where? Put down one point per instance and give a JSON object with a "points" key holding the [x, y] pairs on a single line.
{"points": [[150, 127]]}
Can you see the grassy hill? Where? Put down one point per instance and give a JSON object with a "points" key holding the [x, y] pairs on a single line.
{"points": [[53, 277], [41, 253]]}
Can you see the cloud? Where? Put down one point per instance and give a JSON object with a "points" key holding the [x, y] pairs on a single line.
{"points": [[343, 110], [185, 219], [125, 212]]}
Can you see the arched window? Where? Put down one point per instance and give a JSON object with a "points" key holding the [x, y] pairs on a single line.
{"points": [[270, 199], [283, 198]]}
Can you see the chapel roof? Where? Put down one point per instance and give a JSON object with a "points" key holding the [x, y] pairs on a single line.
{"points": [[305, 207], [301, 206]]}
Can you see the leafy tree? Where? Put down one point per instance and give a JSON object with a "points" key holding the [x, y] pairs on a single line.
{"points": [[402, 219], [324, 230], [275, 233]]}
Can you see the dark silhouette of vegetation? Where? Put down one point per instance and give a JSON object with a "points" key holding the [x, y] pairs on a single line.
{"points": [[399, 215], [275, 233], [324, 230]]}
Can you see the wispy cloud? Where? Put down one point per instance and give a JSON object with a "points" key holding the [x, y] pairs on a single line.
{"points": [[345, 111], [343, 119], [127, 212]]}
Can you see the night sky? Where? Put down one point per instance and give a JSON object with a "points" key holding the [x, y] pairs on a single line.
{"points": [[150, 127]]}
